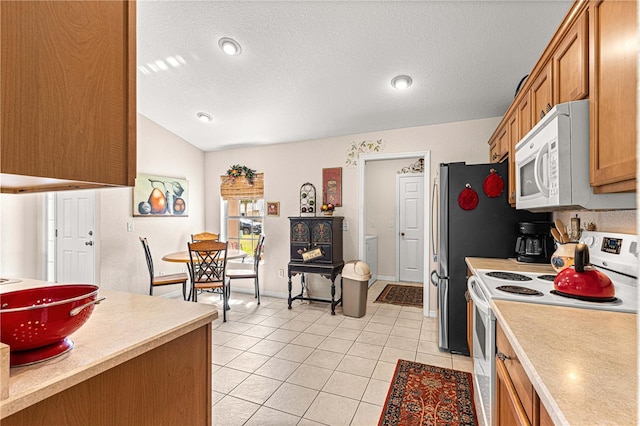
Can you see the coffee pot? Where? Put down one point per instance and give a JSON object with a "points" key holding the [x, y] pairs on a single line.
{"points": [[534, 243]]}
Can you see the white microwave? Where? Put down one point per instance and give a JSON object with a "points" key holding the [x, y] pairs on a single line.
{"points": [[552, 165]]}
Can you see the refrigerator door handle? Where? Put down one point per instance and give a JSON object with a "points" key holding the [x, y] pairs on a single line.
{"points": [[434, 221], [435, 278]]}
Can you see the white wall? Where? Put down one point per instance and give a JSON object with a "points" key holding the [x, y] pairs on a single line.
{"points": [[288, 166], [120, 262]]}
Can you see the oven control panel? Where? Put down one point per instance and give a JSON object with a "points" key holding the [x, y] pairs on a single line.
{"points": [[613, 251]]}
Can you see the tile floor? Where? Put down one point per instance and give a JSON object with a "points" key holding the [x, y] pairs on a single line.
{"points": [[275, 366]]}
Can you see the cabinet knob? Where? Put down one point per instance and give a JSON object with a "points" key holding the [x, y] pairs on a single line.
{"points": [[495, 155], [502, 356], [541, 114]]}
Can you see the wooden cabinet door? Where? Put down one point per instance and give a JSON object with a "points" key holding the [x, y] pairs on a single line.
{"points": [[514, 138], [613, 49], [68, 95], [508, 410], [542, 94], [571, 64], [524, 115], [503, 142]]}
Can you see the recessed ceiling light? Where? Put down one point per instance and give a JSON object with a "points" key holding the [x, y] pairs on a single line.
{"points": [[401, 82], [229, 46], [203, 116]]}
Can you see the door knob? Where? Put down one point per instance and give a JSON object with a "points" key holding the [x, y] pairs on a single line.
{"points": [[90, 232], [88, 243], [402, 233]]}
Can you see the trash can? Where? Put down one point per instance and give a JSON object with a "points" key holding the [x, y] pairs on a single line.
{"points": [[355, 284]]}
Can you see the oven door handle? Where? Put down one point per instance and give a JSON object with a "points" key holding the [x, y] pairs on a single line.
{"points": [[477, 296]]}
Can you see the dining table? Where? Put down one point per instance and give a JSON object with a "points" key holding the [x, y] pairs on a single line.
{"points": [[183, 257]]}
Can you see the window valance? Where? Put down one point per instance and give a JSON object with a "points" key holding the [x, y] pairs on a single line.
{"points": [[238, 188]]}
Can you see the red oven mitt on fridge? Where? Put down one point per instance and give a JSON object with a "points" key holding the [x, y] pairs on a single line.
{"points": [[468, 198], [493, 184]]}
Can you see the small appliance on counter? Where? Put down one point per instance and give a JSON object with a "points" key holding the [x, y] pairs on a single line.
{"points": [[534, 243]]}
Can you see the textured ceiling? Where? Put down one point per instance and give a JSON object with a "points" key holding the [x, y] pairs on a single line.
{"points": [[316, 69]]}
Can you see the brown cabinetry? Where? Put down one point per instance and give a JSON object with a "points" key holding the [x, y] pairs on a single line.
{"points": [[571, 64], [499, 145], [613, 70], [517, 402], [68, 95], [593, 55], [542, 94]]}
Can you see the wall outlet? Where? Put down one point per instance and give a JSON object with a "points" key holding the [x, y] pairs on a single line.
{"points": [[281, 273], [345, 226], [129, 226], [373, 224], [390, 223]]}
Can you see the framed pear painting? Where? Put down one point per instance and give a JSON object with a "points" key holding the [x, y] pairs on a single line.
{"points": [[160, 196]]}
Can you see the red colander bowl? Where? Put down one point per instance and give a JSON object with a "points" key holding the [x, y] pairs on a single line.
{"points": [[43, 317]]}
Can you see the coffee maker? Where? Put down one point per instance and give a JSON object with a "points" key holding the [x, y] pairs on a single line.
{"points": [[534, 243]]}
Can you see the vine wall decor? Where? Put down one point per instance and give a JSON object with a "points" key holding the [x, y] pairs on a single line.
{"points": [[364, 147]]}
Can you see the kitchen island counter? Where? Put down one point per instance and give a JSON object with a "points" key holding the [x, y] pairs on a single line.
{"points": [[582, 362], [128, 343]]}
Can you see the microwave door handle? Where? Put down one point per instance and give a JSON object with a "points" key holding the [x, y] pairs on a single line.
{"points": [[542, 171]]}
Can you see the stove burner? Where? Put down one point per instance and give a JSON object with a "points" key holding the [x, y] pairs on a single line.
{"points": [[508, 276], [516, 289], [612, 300], [547, 277]]}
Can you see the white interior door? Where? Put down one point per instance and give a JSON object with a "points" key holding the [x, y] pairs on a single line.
{"points": [[410, 227], [75, 236]]}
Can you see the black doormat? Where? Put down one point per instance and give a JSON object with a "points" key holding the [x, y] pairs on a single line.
{"points": [[405, 295]]}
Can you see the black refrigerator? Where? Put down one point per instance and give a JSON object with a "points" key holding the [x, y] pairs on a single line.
{"points": [[485, 227]]}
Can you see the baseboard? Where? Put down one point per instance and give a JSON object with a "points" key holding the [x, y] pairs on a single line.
{"points": [[386, 278], [433, 314], [262, 293]]}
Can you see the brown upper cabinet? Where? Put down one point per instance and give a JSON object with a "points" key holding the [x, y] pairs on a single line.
{"points": [[68, 96], [571, 64], [542, 94], [613, 49], [593, 55]]}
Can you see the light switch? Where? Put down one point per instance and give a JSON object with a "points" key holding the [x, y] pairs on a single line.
{"points": [[391, 224], [129, 226]]}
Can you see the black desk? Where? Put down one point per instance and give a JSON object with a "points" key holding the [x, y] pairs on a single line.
{"points": [[329, 271]]}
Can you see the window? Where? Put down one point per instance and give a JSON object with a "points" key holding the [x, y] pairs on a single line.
{"points": [[243, 223]]}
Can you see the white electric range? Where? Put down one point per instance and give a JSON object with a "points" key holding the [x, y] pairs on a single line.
{"points": [[614, 254]]}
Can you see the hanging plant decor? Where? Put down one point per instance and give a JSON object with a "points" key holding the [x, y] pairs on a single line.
{"points": [[237, 170], [364, 147]]}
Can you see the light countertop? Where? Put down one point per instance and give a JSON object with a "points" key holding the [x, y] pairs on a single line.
{"points": [[582, 362], [120, 328]]}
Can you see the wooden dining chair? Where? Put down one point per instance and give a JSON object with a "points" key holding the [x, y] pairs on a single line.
{"points": [[204, 236], [235, 274], [208, 261], [160, 280]]}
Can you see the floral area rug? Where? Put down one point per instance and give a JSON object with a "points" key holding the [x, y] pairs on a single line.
{"points": [[424, 395], [405, 295]]}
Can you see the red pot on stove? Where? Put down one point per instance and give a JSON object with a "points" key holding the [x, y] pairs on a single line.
{"points": [[582, 279]]}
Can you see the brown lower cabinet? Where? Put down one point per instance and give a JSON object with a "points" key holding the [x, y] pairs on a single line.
{"points": [[517, 402], [169, 385]]}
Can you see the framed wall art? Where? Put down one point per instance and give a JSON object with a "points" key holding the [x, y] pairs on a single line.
{"points": [[273, 208], [332, 186], [160, 196]]}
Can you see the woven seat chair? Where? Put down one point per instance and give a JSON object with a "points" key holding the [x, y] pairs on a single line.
{"points": [[208, 260]]}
